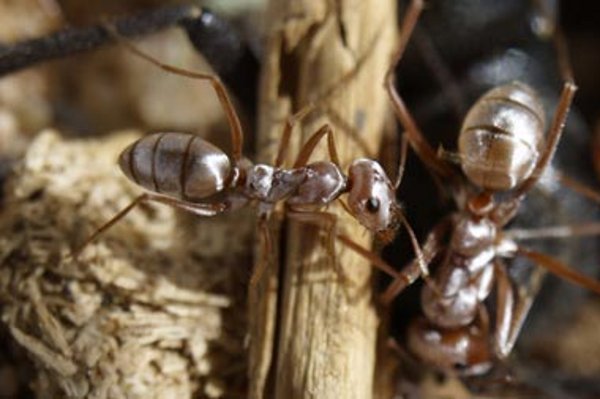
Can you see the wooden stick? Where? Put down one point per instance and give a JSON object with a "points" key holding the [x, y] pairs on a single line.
{"points": [[313, 331]]}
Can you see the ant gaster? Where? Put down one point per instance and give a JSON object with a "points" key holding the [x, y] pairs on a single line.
{"points": [[501, 150], [189, 173]]}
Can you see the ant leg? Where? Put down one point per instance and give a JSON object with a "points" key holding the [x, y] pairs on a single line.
{"points": [[290, 122], [566, 231], [556, 130], [320, 218], [237, 136], [312, 142], [407, 276], [505, 299], [201, 209], [560, 115], [402, 163], [402, 279], [369, 255], [420, 258], [560, 269], [267, 245], [320, 102], [415, 136], [434, 244], [578, 187], [350, 130], [341, 83], [511, 309]]}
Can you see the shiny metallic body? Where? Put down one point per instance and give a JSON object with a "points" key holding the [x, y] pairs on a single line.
{"points": [[186, 172], [502, 149], [189, 169], [499, 147]]}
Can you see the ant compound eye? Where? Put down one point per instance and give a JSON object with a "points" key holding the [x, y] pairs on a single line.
{"points": [[372, 205]]}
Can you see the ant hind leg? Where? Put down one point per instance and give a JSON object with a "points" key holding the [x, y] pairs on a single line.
{"points": [[237, 136], [200, 209], [416, 138]]}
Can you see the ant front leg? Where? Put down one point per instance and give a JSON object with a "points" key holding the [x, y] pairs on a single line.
{"points": [[368, 255], [237, 135], [200, 209], [402, 279], [322, 103], [512, 307], [412, 271], [434, 244]]}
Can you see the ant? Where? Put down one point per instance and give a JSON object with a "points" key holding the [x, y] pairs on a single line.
{"points": [[502, 154], [189, 173]]}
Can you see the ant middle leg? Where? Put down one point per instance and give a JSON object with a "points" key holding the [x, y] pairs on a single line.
{"points": [[321, 102], [290, 122], [311, 143], [506, 330], [564, 231], [560, 269], [512, 307]]}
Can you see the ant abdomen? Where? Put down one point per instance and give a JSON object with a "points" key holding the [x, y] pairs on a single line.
{"points": [[180, 165], [502, 136], [466, 349]]}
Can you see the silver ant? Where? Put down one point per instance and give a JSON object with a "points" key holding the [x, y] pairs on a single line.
{"points": [[186, 172], [501, 151]]}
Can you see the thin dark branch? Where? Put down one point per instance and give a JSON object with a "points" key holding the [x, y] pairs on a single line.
{"points": [[212, 36]]}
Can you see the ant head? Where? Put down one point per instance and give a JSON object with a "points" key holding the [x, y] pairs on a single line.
{"points": [[372, 198]]}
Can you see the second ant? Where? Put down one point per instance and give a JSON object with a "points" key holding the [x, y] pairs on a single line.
{"points": [[503, 154]]}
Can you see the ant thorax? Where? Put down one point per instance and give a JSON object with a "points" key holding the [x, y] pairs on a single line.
{"points": [[466, 274], [473, 240], [323, 183], [266, 183], [318, 184]]}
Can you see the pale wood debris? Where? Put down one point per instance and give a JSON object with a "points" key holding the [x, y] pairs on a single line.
{"points": [[140, 314]]}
